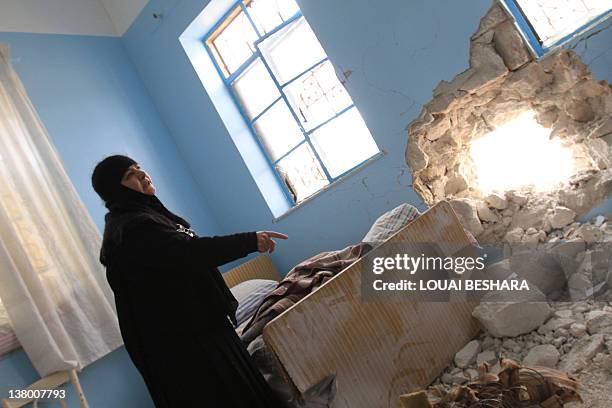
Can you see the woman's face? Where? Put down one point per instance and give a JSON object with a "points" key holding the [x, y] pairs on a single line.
{"points": [[138, 180]]}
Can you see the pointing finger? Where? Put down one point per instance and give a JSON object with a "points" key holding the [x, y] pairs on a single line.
{"points": [[273, 234]]}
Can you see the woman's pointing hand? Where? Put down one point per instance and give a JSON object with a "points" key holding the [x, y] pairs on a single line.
{"points": [[265, 243]]}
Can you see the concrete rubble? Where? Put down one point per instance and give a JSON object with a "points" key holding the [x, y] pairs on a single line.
{"points": [[582, 352], [565, 343], [467, 355], [535, 330], [545, 355], [511, 385], [565, 321], [509, 318]]}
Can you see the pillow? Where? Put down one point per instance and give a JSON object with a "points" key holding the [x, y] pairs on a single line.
{"points": [[249, 295], [389, 223]]}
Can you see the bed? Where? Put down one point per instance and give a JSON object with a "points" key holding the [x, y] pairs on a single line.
{"points": [[375, 350]]}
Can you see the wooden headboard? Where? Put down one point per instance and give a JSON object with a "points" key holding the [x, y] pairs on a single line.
{"points": [[260, 267]]}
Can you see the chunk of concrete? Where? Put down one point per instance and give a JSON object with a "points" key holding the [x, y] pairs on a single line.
{"points": [[512, 313], [467, 355], [529, 217], [499, 270], [416, 158], [466, 211], [495, 16], [602, 130], [459, 378], [485, 213], [555, 324], [599, 322], [590, 233], [514, 236], [517, 197], [579, 110], [595, 265], [455, 184], [545, 355], [540, 268], [566, 254], [527, 81], [438, 128], [581, 353], [580, 285], [496, 201], [577, 330], [487, 356], [510, 46], [562, 216]]}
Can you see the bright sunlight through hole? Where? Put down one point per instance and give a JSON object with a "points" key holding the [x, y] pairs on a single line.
{"points": [[520, 154]]}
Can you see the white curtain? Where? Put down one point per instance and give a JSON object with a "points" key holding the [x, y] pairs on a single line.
{"points": [[51, 283]]}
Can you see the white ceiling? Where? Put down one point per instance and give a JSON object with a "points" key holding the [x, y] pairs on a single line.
{"points": [[123, 12], [73, 17]]}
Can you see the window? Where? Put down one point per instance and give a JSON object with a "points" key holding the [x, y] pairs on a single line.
{"points": [[549, 23], [289, 95]]}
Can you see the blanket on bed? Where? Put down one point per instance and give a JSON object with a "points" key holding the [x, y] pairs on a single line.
{"points": [[299, 282]]}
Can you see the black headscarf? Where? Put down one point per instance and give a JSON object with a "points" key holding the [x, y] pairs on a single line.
{"points": [[124, 204]]}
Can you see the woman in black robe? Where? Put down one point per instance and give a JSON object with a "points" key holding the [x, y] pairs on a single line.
{"points": [[173, 306]]}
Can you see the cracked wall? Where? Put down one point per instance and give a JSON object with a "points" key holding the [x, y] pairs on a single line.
{"points": [[504, 80]]}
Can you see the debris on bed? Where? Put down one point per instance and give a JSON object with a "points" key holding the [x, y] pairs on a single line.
{"points": [[570, 329], [576, 339], [513, 386]]}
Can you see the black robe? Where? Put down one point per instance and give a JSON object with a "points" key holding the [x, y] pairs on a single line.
{"points": [[174, 308]]}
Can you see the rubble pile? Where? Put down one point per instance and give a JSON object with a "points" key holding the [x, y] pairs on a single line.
{"points": [[573, 336], [576, 337], [564, 322], [502, 82], [572, 262], [512, 386]]}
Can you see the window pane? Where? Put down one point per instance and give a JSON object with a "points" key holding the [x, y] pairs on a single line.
{"points": [[278, 130], [292, 50], [344, 142], [255, 89], [269, 14], [555, 19], [234, 45], [317, 95], [303, 172]]}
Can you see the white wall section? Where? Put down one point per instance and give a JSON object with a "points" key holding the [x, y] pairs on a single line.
{"points": [[76, 17]]}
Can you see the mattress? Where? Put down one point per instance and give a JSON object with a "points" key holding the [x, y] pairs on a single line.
{"points": [[8, 340]]}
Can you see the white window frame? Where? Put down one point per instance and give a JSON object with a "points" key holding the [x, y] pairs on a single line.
{"points": [[531, 36]]}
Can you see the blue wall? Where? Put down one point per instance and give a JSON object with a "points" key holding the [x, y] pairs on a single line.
{"points": [[110, 382], [596, 52], [93, 103], [397, 51]]}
